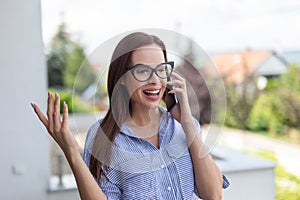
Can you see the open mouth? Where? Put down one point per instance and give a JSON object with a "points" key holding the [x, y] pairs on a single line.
{"points": [[151, 92]]}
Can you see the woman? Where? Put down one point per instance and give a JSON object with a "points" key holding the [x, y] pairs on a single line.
{"points": [[139, 150]]}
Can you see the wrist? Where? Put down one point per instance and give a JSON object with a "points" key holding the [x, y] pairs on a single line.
{"points": [[73, 156], [185, 109]]}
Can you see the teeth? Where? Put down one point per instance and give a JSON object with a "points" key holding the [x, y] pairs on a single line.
{"points": [[152, 91]]}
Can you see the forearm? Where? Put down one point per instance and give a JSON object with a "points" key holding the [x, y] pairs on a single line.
{"points": [[87, 186], [208, 177]]}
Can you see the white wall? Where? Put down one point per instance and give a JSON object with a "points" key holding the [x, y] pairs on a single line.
{"points": [[250, 177], [249, 185], [24, 151]]}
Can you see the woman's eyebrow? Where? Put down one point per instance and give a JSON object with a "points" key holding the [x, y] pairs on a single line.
{"points": [[152, 66], [137, 65]]}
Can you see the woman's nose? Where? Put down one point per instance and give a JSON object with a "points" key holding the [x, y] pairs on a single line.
{"points": [[154, 78]]}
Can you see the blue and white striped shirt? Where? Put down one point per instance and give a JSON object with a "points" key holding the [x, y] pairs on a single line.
{"points": [[138, 170]]}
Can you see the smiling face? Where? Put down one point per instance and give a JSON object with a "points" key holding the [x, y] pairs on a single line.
{"points": [[146, 94]]}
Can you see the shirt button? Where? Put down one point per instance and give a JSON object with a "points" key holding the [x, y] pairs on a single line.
{"points": [[168, 188], [162, 166]]}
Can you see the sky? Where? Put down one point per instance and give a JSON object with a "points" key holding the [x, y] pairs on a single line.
{"points": [[215, 25]]}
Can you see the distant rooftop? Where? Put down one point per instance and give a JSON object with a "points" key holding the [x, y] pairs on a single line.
{"points": [[292, 57], [236, 66]]}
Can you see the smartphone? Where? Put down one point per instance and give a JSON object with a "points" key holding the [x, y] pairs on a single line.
{"points": [[170, 99]]}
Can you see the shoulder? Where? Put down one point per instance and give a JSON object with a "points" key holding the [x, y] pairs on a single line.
{"points": [[92, 132], [93, 129]]}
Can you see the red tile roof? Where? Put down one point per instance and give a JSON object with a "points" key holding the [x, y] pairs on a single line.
{"points": [[234, 67]]}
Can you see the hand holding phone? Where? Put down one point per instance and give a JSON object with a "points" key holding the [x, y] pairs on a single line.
{"points": [[170, 99]]}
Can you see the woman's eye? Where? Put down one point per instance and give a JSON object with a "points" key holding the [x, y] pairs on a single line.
{"points": [[142, 71]]}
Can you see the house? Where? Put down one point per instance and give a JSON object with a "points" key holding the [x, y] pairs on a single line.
{"points": [[237, 66], [292, 57]]}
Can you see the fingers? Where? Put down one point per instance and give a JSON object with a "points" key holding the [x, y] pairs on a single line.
{"points": [[53, 113], [179, 86], [65, 116], [177, 81], [53, 121], [40, 114], [56, 114], [57, 127], [177, 76], [50, 110]]}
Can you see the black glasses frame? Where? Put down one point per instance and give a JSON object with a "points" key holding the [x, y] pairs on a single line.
{"points": [[132, 68]]}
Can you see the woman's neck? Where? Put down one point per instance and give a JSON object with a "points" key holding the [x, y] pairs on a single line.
{"points": [[144, 117], [145, 123]]}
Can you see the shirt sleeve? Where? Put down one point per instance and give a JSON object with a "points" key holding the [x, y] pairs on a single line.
{"points": [[226, 183], [112, 191], [88, 145]]}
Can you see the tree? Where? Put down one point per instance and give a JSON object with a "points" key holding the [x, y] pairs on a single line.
{"points": [[278, 109], [67, 63], [57, 57], [78, 72], [288, 88], [240, 99]]}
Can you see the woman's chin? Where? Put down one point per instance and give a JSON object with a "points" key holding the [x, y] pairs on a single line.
{"points": [[152, 106]]}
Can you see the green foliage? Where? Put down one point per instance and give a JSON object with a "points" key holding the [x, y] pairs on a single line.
{"points": [[287, 185], [264, 116], [289, 92], [278, 108], [78, 73], [55, 71], [64, 60], [75, 103], [58, 55], [240, 99]]}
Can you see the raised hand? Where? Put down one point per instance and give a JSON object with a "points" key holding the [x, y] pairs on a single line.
{"points": [[60, 132], [56, 126]]}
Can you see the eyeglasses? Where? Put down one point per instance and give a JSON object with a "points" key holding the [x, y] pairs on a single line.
{"points": [[143, 72]]}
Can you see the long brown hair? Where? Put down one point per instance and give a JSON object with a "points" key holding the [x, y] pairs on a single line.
{"points": [[119, 109]]}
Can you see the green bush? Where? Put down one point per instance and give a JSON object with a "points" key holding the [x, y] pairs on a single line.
{"points": [[278, 108], [240, 99], [288, 90], [264, 115], [74, 102]]}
